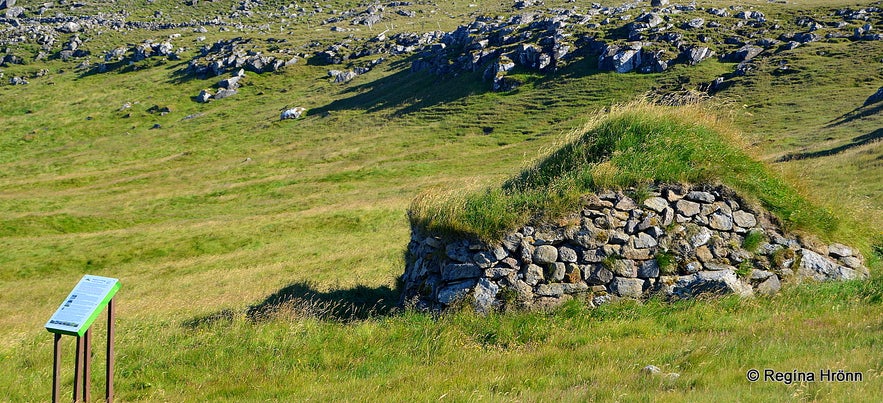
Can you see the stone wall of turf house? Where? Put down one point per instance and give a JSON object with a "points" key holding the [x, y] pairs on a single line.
{"points": [[678, 242]]}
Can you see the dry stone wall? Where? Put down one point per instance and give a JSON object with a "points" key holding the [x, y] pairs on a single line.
{"points": [[678, 241]]}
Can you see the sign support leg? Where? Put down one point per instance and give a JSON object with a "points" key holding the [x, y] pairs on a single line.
{"points": [[56, 369], [78, 369], [108, 392], [87, 366]]}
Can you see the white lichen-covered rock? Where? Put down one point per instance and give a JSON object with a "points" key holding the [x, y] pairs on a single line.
{"points": [[817, 267], [292, 113]]}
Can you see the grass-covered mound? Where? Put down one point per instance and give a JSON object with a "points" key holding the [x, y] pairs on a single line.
{"points": [[635, 145]]}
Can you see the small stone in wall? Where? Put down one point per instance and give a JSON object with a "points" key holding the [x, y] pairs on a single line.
{"points": [[550, 290], [457, 252], [619, 237], [598, 275], [533, 275], [720, 221], [704, 254], [852, 262], [460, 271], [817, 267], [557, 271], [644, 241], [573, 274], [593, 256], [512, 241], [702, 236], [687, 208], [709, 282], [545, 254], [484, 259], [760, 275], [770, 286], [649, 269], [698, 196], [567, 255], [623, 268], [497, 273], [656, 204], [485, 294], [630, 252], [744, 219], [625, 203], [455, 292], [839, 250], [627, 287]]}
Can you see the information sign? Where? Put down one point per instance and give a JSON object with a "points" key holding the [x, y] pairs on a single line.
{"points": [[83, 305]]}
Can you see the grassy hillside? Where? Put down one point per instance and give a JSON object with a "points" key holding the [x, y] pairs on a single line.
{"points": [[223, 210]]}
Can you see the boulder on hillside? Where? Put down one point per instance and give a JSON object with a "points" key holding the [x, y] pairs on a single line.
{"points": [[744, 53], [204, 96], [697, 54], [14, 12], [224, 93], [69, 27], [292, 113]]}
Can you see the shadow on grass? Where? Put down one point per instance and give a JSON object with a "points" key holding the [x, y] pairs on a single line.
{"points": [[302, 300], [404, 92], [856, 142], [857, 113]]}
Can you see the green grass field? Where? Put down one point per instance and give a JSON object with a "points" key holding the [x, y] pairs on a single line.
{"points": [[224, 210]]}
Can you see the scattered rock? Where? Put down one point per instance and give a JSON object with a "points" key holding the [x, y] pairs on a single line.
{"points": [[230, 83], [69, 27], [224, 93], [697, 54], [292, 113], [204, 96], [651, 370], [744, 53]]}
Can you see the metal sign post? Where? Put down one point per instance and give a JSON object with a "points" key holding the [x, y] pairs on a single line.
{"points": [[74, 317]]}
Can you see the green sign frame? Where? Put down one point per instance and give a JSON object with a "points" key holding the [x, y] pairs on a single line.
{"points": [[83, 305]]}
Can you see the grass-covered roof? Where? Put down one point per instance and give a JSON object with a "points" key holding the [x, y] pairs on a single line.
{"points": [[635, 145]]}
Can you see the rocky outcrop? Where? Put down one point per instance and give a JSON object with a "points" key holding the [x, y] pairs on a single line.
{"points": [[236, 54], [680, 242]]}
